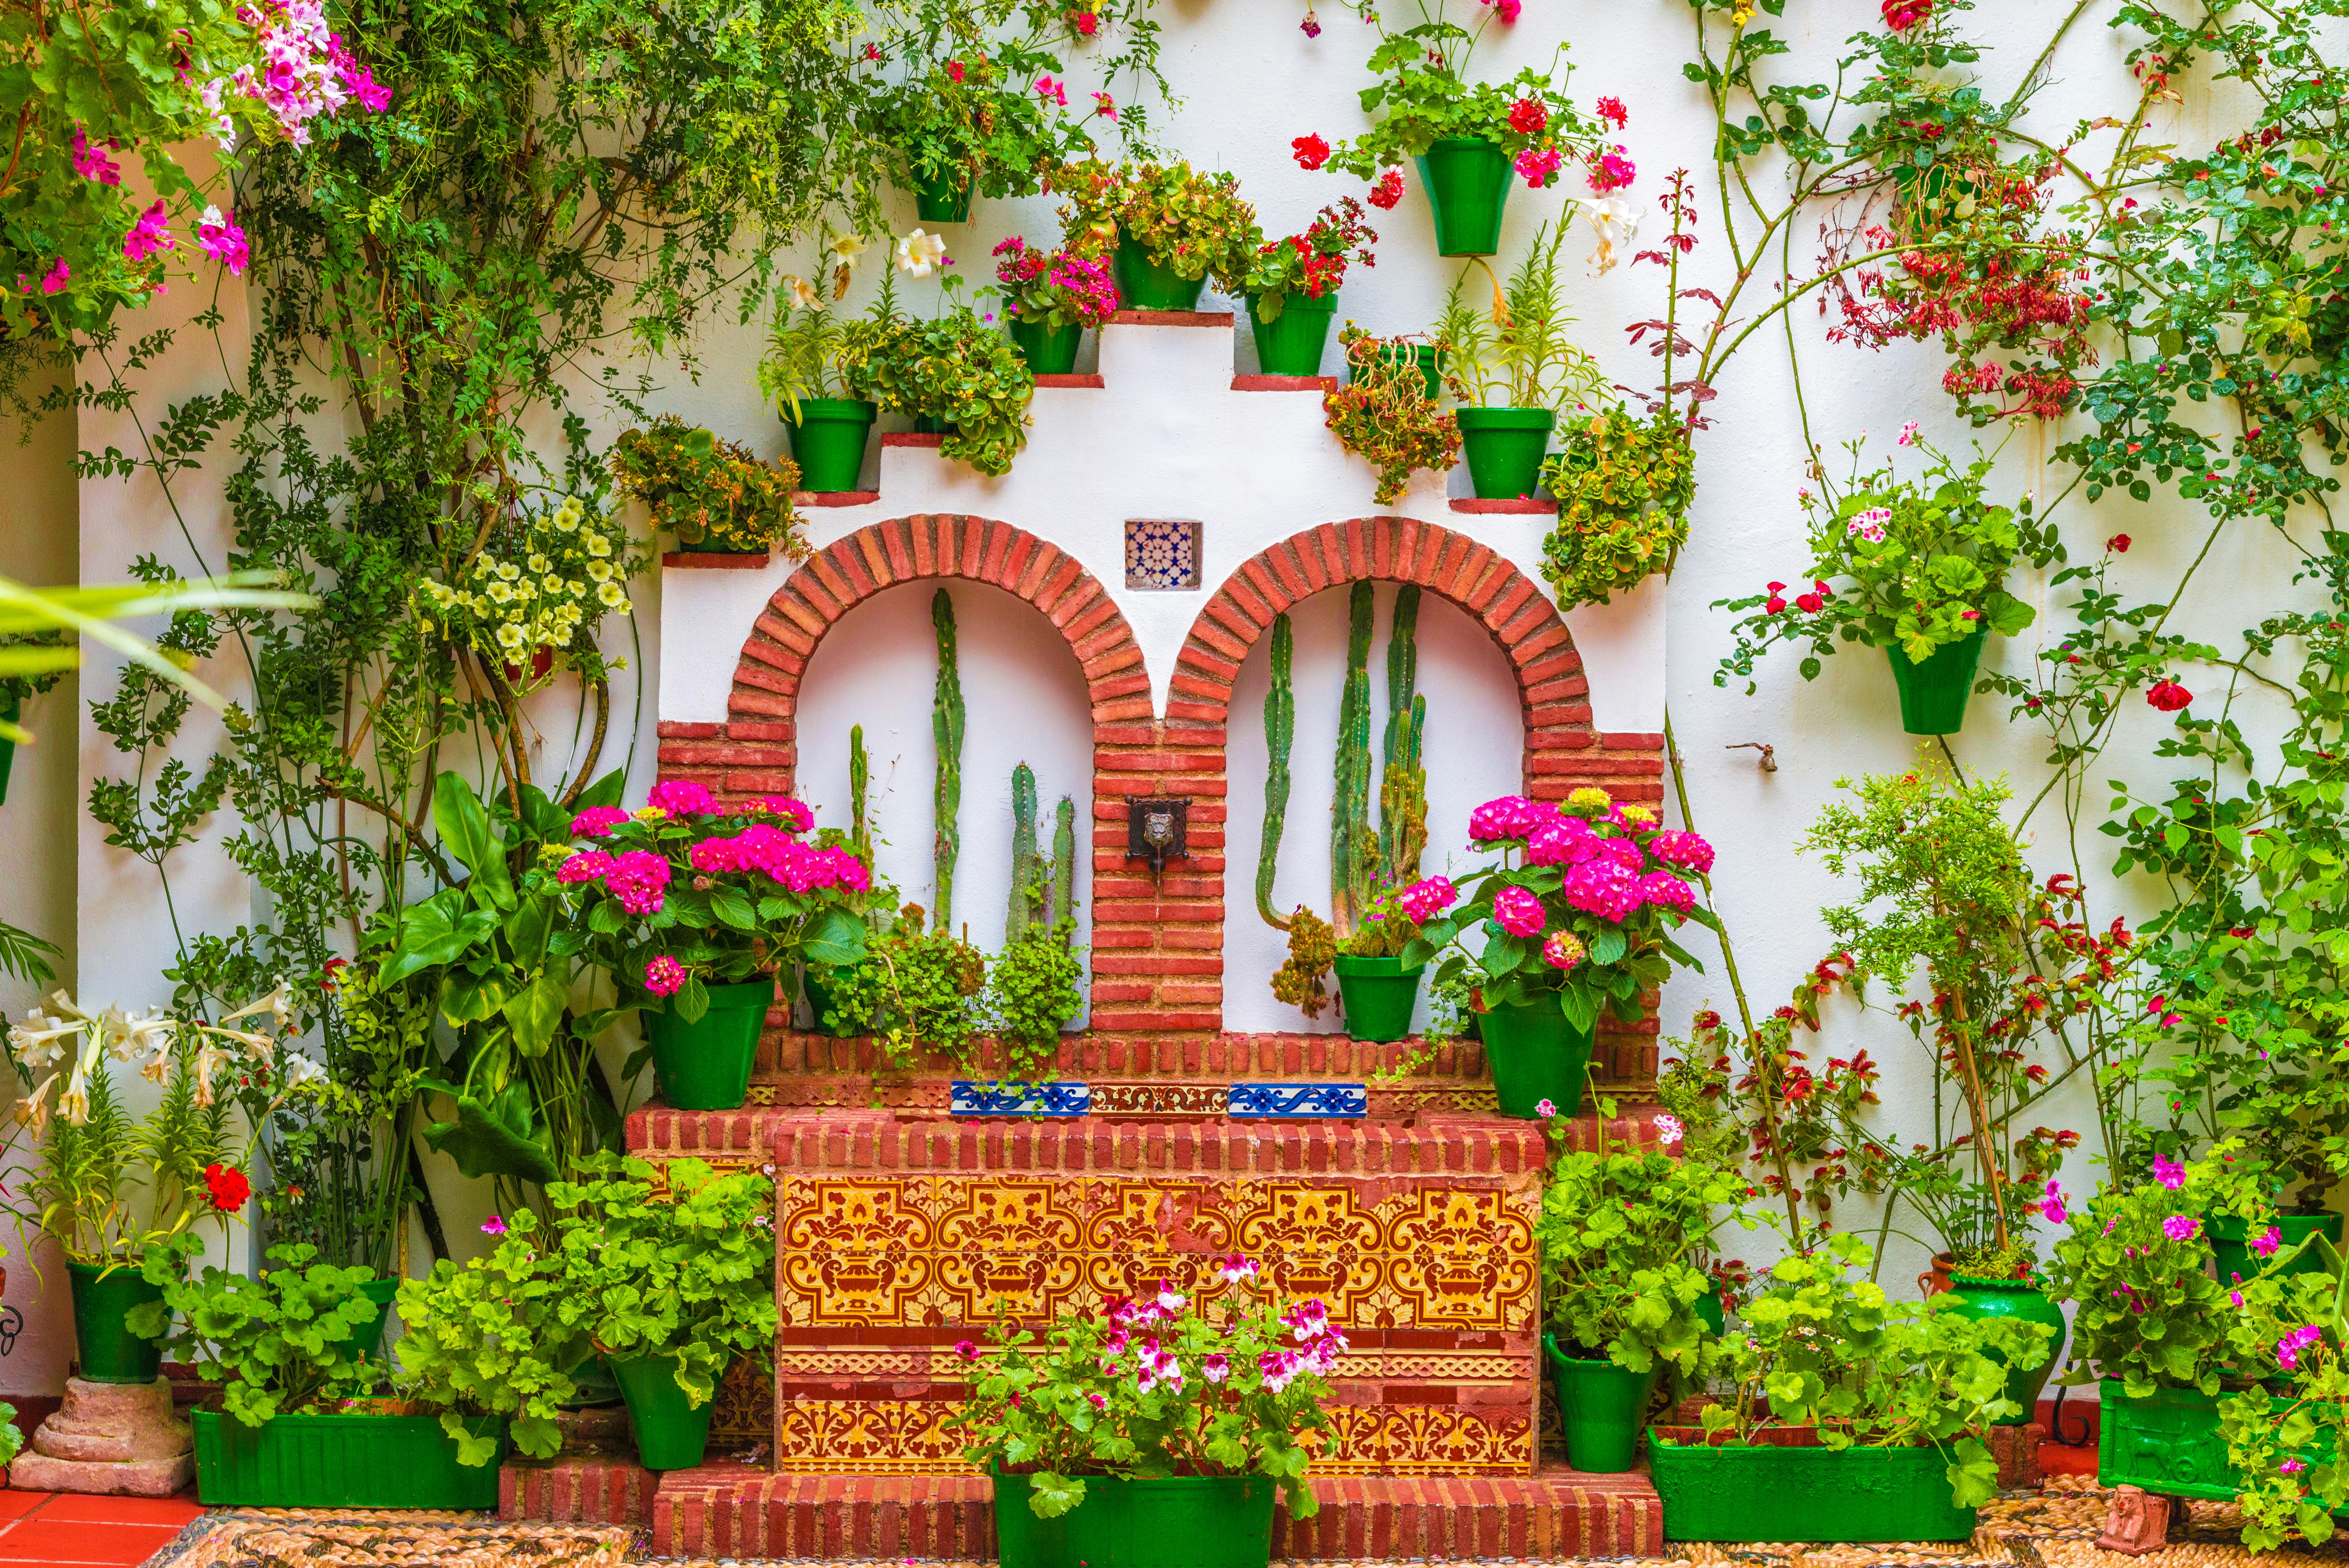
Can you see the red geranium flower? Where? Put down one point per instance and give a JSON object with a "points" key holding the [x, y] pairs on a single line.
{"points": [[1529, 117], [229, 1188], [1312, 152], [2168, 697], [1902, 15], [1611, 110], [1388, 190]]}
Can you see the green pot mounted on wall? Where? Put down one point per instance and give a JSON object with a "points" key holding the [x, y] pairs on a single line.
{"points": [[1467, 180], [1293, 341], [828, 440], [1933, 694], [943, 198], [2231, 1244], [1048, 350]]}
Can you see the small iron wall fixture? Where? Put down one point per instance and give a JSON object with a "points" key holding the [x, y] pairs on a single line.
{"points": [[1157, 831]]}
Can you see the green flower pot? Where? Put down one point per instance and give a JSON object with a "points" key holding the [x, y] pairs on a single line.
{"points": [[820, 1002], [1291, 344], [369, 1337], [705, 1065], [1708, 1309], [1178, 1521], [1142, 283], [671, 1432], [341, 1462], [1771, 1493], [933, 424], [593, 1387], [2023, 1302], [110, 1352], [1048, 350], [11, 709], [1379, 995], [943, 198], [1536, 1055], [2168, 1442], [2231, 1244], [1933, 694], [828, 440], [1467, 180], [1504, 448], [1426, 356], [1604, 1406]]}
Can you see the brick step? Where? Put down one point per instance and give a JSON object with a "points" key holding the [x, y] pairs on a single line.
{"points": [[594, 1488], [738, 1512]]}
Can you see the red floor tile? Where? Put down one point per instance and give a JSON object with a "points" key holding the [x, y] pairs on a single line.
{"points": [[76, 1542], [17, 1504], [174, 1512]]}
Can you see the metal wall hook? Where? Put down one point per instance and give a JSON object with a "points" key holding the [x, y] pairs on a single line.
{"points": [[1769, 758]]}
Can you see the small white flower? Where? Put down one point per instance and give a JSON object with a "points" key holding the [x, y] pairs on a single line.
{"points": [[1668, 1130], [1615, 220]]}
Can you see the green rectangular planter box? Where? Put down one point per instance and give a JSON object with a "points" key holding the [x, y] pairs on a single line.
{"points": [[1178, 1522], [1774, 1493], [2168, 1442], [329, 1461]]}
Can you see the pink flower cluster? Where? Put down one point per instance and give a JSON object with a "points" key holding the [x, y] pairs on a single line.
{"points": [[304, 72], [635, 878], [224, 242], [794, 815], [1319, 1344], [148, 237], [664, 976], [802, 868], [1684, 849], [682, 797], [91, 161], [1611, 171], [2289, 1348], [1424, 900]]}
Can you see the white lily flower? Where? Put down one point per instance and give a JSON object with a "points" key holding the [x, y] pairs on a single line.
{"points": [[843, 249], [33, 1110], [301, 1071], [801, 292], [919, 253], [1615, 220], [209, 1058], [279, 1005], [40, 1039]]}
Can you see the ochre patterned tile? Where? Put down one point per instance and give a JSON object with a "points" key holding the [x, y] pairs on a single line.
{"points": [[1463, 1259]]}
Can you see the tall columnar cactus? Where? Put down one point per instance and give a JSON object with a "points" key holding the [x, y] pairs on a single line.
{"points": [[1027, 869], [1402, 797], [1279, 736], [1064, 862], [860, 825], [1353, 845], [1406, 711], [945, 726]]}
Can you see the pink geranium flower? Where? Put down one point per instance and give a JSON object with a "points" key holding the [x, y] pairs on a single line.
{"points": [[149, 236]]}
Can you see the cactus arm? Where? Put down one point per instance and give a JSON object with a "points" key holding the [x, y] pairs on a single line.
{"points": [[1065, 864], [1403, 682], [1025, 870], [946, 727], [1353, 850], [1279, 736]]}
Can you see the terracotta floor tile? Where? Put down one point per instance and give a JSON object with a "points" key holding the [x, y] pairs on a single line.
{"points": [[174, 1512], [17, 1504], [76, 1542]]}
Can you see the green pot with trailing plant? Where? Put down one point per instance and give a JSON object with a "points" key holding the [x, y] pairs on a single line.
{"points": [[952, 372], [1917, 568], [1386, 412], [1576, 917], [1847, 1417], [1512, 366], [1049, 297], [694, 909], [670, 1289], [1467, 138], [1157, 1435], [1292, 288], [710, 495], [1623, 487], [1166, 229], [981, 122], [916, 991]]}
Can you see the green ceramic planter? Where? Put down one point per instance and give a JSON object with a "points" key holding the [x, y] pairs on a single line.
{"points": [[1425, 356], [110, 1352], [1467, 180], [828, 440], [2169, 1442], [1603, 1405], [1771, 1493], [1379, 995], [820, 1001], [11, 709], [1292, 342], [1536, 1055], [1707, 1307], [593, 1387], [1179, 1521], [1504, 448], [943, 198], [2231, 1245], [1144, 285], [671, 1432], [1933, 694], [2022, 1302], [340, 1461], [705, 1065], [369, 1335], [1048, 350]]}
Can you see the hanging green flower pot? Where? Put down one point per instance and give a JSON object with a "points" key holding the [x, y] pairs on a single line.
{"points": [[1145, 284], [110, 1352], [2231, 1245], [1291, 344], [943, 198], [1603, 1405], [828, 440], [672, 1433], [1048, 350], [1173, 1521], [705, 1065], [1536, 1055], [1425, 356], [1933, 694], [2019, 1301], [1504, 448], [1379, 995], [1467, 180]]}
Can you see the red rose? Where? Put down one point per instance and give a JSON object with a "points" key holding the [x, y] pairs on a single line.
{"points": [[2168, 697], [1776, 605], [1902, 15], [1809, 604], [1529, 118], [2118, 543], [229, 1188], [1312, 152]]}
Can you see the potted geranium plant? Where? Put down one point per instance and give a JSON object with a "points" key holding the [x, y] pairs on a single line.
{"points": [[672, 1291], [989, 120], [1513, 368], [1465, 137], [1049, 297], [1916, 567], [712, 495], [1292, 287], [1621, 1231], [1386, 412], [491, 1346], [1623, 488], [1132, 1435], [693, 910], [1576, 917], [1166, 228], [1849, 1417], [956, 375]]}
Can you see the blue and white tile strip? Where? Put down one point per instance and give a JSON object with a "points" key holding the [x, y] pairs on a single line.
{"points": [[1250, 1101], [1017, 1098], [1300, 1101]]}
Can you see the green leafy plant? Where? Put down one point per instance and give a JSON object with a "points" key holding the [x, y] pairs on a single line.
{"points": [[707, 491], [1623, 487], [979, 116], [1312, 263], [1158, 1386], [1383, 414], [283, 1342], [1515, 354], [1194, 226], [954, 368], [494, 1336], [1031, 993], [916, 989]]}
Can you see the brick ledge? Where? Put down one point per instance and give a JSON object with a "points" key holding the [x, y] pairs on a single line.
{"points": [[835, 498], [1094, 382], [715, 561], [1522, 505], [1284, 383], [1172, 318]]}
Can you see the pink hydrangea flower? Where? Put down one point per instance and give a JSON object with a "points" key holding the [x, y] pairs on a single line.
{"points": [[715, 855], [596, 820], [587, 866], [1518, 912], [795, 817], [1684, 849], [663, 976], [1510, 817], [636, 879], [1424, 900], [1563, 950], [1561, 841], [1604, 886], [1666, 891], [682, 797]]}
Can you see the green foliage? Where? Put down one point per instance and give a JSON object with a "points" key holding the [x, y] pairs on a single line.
{"points": [[1313, 947], [1384, 415], [542, 581], [1063, 905], [494, 1337], [280, 1344], [1353, 842], [1279, 738], [1517, 354], [1620, 1234], [1031, 994], [708, 491], [913, 990], [955, 368], [979, 121], [1624, 486], [1195, 225], [946, 730]]}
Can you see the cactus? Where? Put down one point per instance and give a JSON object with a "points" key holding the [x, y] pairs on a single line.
{"points": [[1404, 707], [1063, 910], [1027, 872], [1402, 796], [945, 726], [1353, 847], [1279, 734]]}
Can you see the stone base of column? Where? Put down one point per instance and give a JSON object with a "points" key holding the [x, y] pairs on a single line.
{"points": [[117, 1438]]}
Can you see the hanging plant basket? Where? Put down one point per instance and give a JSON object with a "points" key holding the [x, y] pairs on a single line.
{"points": [[1048, 350], [1292, 342], [943, 198], [1933, 694], [1467, 180], [1536, 1055], [1178, 1522], [705, 1065], [828, 440], [1504, 448]]}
